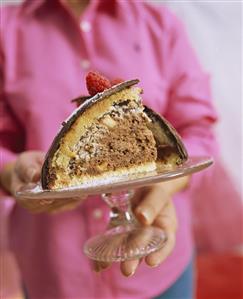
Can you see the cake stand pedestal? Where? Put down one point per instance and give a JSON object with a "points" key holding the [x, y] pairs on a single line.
{"points": [[125, 238]]}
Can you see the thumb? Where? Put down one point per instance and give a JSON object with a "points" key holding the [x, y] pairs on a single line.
{"points": [[151, 205], [33, 174], [28, 167]]}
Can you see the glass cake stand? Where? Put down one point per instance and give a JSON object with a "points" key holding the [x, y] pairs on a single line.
{"points": [[125, 238]]}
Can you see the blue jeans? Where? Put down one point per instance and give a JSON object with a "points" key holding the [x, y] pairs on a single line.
{"points": [[183, 288]]}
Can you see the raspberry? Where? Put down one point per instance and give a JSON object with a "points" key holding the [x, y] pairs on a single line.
{"points": [[96, 83], [116, 81]]}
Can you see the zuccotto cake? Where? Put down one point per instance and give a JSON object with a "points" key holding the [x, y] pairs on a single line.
{"points": [[110, 134]]}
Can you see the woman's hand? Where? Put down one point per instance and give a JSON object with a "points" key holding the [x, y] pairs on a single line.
{"points": [[154, 206], [25, 170]]}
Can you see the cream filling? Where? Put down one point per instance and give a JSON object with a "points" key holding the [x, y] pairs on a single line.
{"points": [[89, 145], [107, 177]]}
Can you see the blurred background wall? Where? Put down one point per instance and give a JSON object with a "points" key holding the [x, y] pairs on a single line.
{"points": [[215, 30]]}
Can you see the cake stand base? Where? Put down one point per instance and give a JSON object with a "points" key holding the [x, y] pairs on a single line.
{"points": [[124, 243]]}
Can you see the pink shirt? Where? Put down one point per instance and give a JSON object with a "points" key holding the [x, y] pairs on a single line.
{"points": [[45, 54]]}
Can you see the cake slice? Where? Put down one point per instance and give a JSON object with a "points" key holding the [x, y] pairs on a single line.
{"points": [[110, 134]]}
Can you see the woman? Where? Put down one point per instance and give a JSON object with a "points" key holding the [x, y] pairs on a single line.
{"points": [[47, 48]]}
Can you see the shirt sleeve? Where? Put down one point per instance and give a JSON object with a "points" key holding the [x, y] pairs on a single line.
{"points": [[190, 108], [10, 129]]}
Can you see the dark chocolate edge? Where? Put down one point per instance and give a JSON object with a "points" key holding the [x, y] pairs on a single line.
{"points": [[81, 99], [72, 118], [170, 131]]}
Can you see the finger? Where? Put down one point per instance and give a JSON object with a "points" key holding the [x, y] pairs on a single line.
{"points": [[28, 167], [138, 196], [40, 157], [47, 205], [32, 205], [100, 266], [167, 219], [63, 205], [36, 206], [151, 205], [128, 268], [30, 173], [168, 222], [157, 257]]}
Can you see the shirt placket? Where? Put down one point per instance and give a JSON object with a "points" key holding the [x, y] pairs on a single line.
{"points": [[97, 212], [85, 55], [86, 31]]}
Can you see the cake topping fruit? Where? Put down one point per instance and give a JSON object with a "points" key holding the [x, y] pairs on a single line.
{"points": [[95, 83]]}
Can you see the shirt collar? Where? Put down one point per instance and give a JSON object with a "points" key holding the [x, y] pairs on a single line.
{"points": [[30, 6]]}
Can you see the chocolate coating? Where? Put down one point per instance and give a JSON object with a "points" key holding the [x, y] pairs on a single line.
{"points": [[166, 129]]}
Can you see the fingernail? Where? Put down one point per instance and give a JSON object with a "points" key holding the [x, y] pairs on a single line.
{"points": [[104, 266], [143, 216], [132, 270], [130, 274], [154, 266], [97, 268]]}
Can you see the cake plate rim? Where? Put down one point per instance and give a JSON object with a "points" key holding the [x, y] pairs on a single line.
{"points": [[193, 164]]}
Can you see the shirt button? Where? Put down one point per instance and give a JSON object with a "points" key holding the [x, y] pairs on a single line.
{"points": [[97, 214], [85, 64], [85, 26]]}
